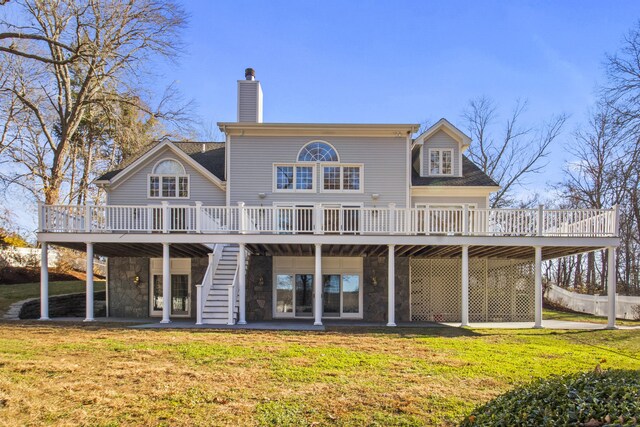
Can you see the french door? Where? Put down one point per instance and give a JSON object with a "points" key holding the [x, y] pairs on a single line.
{"points": [[180, 298], [341, 295]]}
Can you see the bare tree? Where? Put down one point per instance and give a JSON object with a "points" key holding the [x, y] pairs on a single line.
{"points": [[510, 154], [68, 59]]}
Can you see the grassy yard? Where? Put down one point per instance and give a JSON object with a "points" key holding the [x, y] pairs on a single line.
{"points": [[13, 293], [550, 314], [101, 376]]}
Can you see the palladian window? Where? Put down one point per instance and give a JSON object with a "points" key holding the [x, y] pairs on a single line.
{"points": [[169, 180], [318, 151]]}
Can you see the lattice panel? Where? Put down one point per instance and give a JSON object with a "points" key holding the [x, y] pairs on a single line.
{"points": [[499, 290], [435, 290]]}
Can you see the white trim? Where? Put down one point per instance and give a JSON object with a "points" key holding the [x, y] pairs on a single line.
{"points": [[274, 187], [443, 190], [421, 161], [177, 270], [407, 198], [184, 171], [227, 162], [122, 175], [176, 197], [451, 130], [341, 166], [310, 142], [441, 151], [446, 205]]}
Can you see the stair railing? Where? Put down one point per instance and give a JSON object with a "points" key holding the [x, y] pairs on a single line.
{"points": [[233, 297], [202, 290]]}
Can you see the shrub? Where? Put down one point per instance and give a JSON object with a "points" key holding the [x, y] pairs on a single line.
{"points": [[590, 399]]}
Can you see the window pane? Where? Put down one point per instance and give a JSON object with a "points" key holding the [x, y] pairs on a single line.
{"points": [[318, 152], [169, 167], [284, 177], [350, 178], [350, 293], [168, 186], [331, 178], [179, 294], [183, 187], [434, 163], [157, 292], [446, 162], [304, 295], [304, 178], [331, 295], [284, 293], [154, 186]]}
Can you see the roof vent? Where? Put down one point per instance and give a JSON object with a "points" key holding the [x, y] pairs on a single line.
{"points": [[249, 74]]}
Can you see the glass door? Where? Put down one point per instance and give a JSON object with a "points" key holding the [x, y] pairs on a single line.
{"points": [[304, 295], [331, 295], [180, 298]]}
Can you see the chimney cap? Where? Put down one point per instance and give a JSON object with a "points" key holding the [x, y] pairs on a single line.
{"points": [[249, 74]]}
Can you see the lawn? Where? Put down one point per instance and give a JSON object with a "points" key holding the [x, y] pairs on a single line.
{"points": [[14, 293], [572, 316], [107, 376]]}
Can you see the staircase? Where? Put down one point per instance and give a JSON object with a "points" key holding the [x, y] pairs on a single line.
{"points": [[216, 304]]}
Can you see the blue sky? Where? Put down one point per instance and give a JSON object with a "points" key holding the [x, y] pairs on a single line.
{"points": [[402, 61]]}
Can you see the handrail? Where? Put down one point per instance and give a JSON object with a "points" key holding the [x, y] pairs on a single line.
{"points": [[241, 219], [207, 283], [233, 292]]}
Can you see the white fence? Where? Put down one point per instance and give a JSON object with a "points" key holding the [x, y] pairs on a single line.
{"points": [[26, 257], [592, 304], [319, 219]]}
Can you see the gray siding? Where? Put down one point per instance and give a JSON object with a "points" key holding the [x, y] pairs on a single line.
{"points": [[441, 140], [249, 100], [481, 202], [252, 160], [133, 191]]}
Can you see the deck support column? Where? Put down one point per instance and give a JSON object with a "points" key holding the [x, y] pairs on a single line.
{"points": [[166, 284], [465, 286], [44, 281], [317, 282], [538, 286], [611, 288], [392, 286], [242, 284], [89, 290]]}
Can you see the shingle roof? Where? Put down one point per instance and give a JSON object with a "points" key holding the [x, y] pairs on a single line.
{"points": [[208, 154], [472, 176]]}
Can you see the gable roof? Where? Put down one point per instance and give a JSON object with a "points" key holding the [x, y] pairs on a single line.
{"points": [[446, 126], [472, 176], [206, 157]]}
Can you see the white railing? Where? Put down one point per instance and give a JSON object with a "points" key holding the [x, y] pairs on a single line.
{"points": [[233, 297], [204, 288], [431, 220]]}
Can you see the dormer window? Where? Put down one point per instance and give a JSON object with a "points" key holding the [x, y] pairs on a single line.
{"points": [[169, 180], [440, 161]]}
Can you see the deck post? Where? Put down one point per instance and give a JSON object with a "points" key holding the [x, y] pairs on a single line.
{"points": [[538, 286], [44, 281], [198, 217], [540, 230], [89, 296], [392, 218], [465, 219], [165, 217], [166, 284], [611, 288], [242, 285], [392, 286], [317, 282], [465, 286]]}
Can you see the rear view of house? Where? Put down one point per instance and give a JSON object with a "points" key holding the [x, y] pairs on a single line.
{"points": [[317, 221]]}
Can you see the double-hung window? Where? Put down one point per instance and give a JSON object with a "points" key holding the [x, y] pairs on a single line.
{"points": [[440, 161], [342, 178], [169, 181], [294, 177]]}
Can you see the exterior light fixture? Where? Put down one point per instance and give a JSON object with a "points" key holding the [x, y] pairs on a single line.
{"points": [[375, 196], [136, 280], [262, 195]]}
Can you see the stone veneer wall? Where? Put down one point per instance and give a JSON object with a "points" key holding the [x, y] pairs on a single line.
{"points": [[125, 298], [375, 296], [259, 288], [198, 269]]}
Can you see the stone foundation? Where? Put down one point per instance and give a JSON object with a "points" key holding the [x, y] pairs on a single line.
{"points": [[259, 288], [375, 286], [70, 305], [127, 299]]}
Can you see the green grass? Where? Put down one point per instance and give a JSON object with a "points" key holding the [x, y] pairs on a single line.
{"points": [[572, 316], [101, 375], [14, 293]]}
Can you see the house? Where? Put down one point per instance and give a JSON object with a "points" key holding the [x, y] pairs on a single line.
{"points": [[318, 221]]}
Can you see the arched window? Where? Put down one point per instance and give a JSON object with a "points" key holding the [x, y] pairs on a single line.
{"points": [[168, 167], [169, 180], [318, 151]]}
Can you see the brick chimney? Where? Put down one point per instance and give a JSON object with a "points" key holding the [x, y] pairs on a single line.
{"points": [[249, 98]]}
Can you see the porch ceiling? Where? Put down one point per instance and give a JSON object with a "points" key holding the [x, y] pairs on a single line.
{"points": [[419, 251], [151, 250]]}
